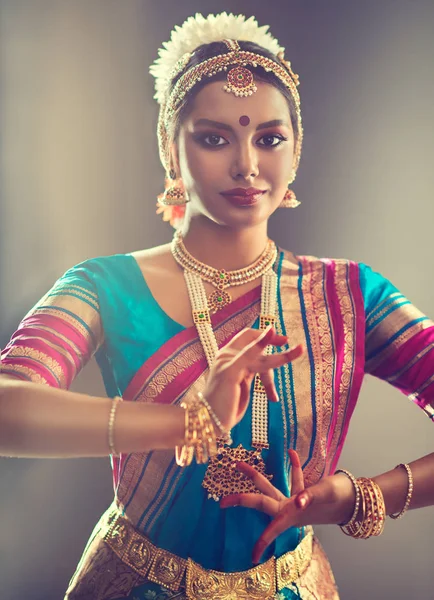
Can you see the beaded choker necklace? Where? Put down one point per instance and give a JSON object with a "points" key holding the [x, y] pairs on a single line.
{"points": [[220, 278], [222, 478]]}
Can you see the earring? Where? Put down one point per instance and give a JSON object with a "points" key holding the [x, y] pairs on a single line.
{"points": [[289, 200], [174, 194]]}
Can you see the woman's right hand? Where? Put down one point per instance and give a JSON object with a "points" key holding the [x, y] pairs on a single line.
{"points": [[235, 365]]}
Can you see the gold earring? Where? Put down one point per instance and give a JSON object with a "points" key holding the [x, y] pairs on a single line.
{"points": [[289, 200], [174, 193]]}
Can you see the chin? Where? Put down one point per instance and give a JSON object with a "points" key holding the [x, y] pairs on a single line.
{"points": [[242, 217]]}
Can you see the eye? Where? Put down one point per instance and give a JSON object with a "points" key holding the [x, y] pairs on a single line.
{"points": [[271, 140], [213, 139]]}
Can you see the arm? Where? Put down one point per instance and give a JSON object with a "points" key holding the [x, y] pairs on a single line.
{"points": [[330, 501], [400, 350], [40, 421], [394, 485]]}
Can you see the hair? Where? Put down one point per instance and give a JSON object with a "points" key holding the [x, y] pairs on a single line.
{"points": [[206, 51]]}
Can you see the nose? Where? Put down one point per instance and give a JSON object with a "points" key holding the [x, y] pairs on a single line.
{"points": [[245, 163]]}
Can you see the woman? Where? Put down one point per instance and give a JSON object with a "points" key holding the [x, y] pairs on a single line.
{"points": [[230, 138]]}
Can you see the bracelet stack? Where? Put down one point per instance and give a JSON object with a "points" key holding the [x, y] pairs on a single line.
{"points": [[369, 513], [201, 427], [372, 518], [202, 430]]}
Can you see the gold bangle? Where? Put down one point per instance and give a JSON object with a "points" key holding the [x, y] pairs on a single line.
{"points": [[357, 528], [371, 522], [184, 454], [225, 435], [206, 445], [379, 516], [358, 497], [111, 425], [409, 491], [200, 436]]}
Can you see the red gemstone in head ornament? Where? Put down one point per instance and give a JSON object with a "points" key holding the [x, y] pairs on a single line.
{"points": [[240, 82], [244, 120]]}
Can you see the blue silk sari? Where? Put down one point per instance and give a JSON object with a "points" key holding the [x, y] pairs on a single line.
{"points": [[350, 320]]}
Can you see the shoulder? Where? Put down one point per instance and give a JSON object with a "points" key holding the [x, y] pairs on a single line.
{"points": [[153, 261], [92, 267], [96, 277], [112, 268], [305, 264]]}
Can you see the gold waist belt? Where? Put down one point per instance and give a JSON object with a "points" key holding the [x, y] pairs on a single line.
{"points": [[173, 572]]}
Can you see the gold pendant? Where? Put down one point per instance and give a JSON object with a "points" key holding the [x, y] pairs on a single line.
{"points": [[222, 477], [218, 300]]}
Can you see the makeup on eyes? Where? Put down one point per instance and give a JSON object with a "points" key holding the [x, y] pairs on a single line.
{"points": [[201, 138]]}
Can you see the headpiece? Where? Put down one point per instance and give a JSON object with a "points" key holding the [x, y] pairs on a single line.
{"points": [[195, 31]]}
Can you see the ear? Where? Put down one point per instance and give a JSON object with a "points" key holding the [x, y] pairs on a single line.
{"points": [[174, 159]]}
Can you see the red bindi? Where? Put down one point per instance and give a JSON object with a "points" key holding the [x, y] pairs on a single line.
{"points": [[244, 120]]}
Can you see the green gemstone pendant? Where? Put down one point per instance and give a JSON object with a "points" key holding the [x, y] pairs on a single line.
{"points": [[218, 300]]}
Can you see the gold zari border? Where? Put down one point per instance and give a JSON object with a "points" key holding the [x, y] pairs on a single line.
{"points": [[173, 572]]}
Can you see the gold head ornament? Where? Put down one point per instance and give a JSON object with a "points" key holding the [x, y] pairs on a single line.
{"points": [[176, 54]]}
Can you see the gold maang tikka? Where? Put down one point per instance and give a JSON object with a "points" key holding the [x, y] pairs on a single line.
{"points": [[239, 79]]}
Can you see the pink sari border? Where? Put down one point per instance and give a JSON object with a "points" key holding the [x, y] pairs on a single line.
{"points": [[358, 311], [176, 344]]}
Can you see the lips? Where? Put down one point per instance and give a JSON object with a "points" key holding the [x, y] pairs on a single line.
{"points": [[243, 196], [243, 192]]}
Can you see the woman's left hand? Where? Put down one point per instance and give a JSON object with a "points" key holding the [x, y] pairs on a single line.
{"points": [[331, 500]]}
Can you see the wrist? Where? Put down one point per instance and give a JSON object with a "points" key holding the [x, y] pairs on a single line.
{"points": [[349, 495], [223, 432]]}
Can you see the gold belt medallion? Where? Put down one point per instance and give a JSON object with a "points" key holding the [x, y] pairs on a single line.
{"points": [[260, 583]]}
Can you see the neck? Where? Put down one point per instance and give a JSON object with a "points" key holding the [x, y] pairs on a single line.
{"points": [[222, 247]]}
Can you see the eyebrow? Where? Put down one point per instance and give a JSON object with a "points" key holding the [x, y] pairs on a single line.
{"points": [[211, 123]]}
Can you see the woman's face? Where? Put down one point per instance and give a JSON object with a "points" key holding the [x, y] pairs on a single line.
{"points": [[228, 147]]}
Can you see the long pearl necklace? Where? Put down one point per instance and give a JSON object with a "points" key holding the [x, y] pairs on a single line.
{"points": [[221, 477], [220, 278]]}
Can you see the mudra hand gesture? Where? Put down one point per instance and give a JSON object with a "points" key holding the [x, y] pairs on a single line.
{"points": [[331, 500], [235, 365]]}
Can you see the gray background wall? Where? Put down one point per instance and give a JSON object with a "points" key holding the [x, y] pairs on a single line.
{"points": [[79, 175]]}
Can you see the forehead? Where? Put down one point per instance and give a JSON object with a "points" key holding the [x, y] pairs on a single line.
{"points": [[213, 102]]}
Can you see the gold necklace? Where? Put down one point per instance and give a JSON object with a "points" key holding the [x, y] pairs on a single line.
{"points": [[222, 477], [220, 278]]}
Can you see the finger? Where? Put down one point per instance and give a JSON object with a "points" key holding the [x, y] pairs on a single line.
{"points": [[273, 361], [278, 525], [244, 396], [250, 336], [267, 381], [303, 499], [297, 478], [257, 501], [248, 354], [261, 483]]}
